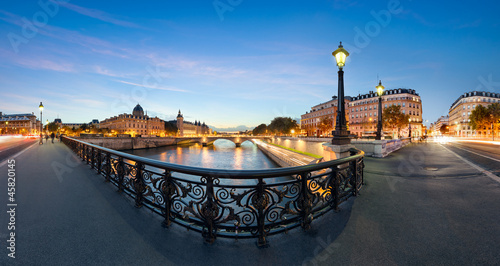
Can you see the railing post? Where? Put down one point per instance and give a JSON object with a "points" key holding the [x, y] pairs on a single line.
{"points": [[167, 190], [305, 202], [138, 185], [354, 178], [121, 173], [209, 211], [108, 166], [260, 201], [99, 161], [336, 190], [92, 158]]}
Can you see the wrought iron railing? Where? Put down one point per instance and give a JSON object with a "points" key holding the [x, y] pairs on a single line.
{"points": [[229, 203]]}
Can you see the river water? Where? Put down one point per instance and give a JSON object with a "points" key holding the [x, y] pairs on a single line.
{"points": [[222, 155]]}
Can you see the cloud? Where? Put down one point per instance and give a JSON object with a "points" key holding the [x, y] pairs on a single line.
{"points": [[38, 63], [100, 15], [473, 24], [152, 87]]}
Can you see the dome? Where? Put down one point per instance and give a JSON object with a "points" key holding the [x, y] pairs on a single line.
{"points": [[138, 111], [179, 115]]}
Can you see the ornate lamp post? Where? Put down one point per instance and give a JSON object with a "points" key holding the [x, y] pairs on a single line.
{"points": [[340, 134], [409, 128], [380, 91], [41, 122]]}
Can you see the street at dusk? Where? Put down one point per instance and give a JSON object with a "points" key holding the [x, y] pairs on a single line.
{"points": [[233, 132]]}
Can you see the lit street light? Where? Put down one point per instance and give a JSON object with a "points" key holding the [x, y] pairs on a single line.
{"points": [[380, 91], [340, 134], [41, 122]]}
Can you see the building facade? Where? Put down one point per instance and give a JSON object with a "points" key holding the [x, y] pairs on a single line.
{"points": [[134, 124], [436, 126], [19, 124], [462, 108], [362, 113], [311, 122], [186, 128]]}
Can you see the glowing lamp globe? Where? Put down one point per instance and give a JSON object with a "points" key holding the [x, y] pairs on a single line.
{"points": [[340, 56]]}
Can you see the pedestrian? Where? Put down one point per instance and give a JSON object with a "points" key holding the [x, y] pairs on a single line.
{"points": [[46, 138], [52, 136]]}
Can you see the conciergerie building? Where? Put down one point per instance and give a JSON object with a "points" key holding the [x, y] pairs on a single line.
{"points": [[461, 109], [362, 113], [134, 124]]}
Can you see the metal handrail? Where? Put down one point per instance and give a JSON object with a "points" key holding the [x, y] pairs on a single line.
{"points": [[281, 199], [238, 174]]}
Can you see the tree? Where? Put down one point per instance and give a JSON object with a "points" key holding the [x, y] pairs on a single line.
{"points": [[282, 125], [445, 129], [494, 110], [52, 127], [171, 128], [326, 125], [260, 130], [480, 118], [393, 118]]}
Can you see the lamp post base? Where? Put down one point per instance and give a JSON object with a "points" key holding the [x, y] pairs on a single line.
{"points": [[341, 137]]}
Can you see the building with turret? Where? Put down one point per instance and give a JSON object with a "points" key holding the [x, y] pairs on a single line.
{"points": [[186, 128]]}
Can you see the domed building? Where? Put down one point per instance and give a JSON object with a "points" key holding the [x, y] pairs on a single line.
{"points": [[135, 124]]}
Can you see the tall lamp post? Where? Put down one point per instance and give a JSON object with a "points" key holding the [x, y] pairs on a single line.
{"points": [[409, 128], [41, 122], [380, 91], [340, 134]]}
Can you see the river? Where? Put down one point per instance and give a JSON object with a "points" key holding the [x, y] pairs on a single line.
{"points": [[222, 155]]}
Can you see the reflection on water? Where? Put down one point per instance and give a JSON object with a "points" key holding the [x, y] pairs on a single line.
{"points": [[222, 155]]}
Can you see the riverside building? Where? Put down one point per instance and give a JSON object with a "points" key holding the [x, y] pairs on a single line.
{"points": [[462, 108], [19, 124], [134, 124], [362, 113], [310, 122]]}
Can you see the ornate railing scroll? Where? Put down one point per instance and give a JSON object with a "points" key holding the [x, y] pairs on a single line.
{"points": [[229, 203]]}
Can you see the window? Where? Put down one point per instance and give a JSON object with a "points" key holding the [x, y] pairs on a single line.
{"points": [[404, 104], [385, 106]]}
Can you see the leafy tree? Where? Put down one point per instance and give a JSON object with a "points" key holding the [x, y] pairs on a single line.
{"points": [[393, 118], [445, 129], [326, 125], [171, 128], [282, 125], [52, 127], [494, 110], [480, 118], [260, 130]]}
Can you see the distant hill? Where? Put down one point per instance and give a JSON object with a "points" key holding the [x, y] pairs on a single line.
{"points": [[231, 129]]}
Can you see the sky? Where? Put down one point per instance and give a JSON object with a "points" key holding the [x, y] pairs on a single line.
{"points": [[238, 63]]}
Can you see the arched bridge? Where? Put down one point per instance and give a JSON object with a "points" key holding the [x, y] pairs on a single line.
{"points": [[208, 140]]}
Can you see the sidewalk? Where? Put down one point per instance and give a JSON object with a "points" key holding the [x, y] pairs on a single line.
{"points": [[67, 215]]}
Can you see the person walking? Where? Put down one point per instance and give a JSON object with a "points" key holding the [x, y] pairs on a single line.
{"points": [[52, 136], [46, 138]]}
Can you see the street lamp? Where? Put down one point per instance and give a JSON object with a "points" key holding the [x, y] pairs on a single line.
{"points": [[380, 91], [340, 134], [41, 122], [409, 128]]}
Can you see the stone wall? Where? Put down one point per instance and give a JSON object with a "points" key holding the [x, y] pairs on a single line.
{"points": [[130, 143]]}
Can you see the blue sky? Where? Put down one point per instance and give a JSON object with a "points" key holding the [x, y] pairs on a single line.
{"points": [[238, 62]]}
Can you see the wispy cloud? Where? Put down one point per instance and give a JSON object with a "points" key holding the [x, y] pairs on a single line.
{"points": [[37, 62], [473, 24], [100, 15], [152, 87]]}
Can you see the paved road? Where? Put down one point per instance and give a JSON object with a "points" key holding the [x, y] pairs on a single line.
{"points": [[11, 145], [421, 205], [485, 155]]}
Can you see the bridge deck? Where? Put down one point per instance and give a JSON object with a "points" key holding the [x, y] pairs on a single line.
{"points": [[66, 214]]}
